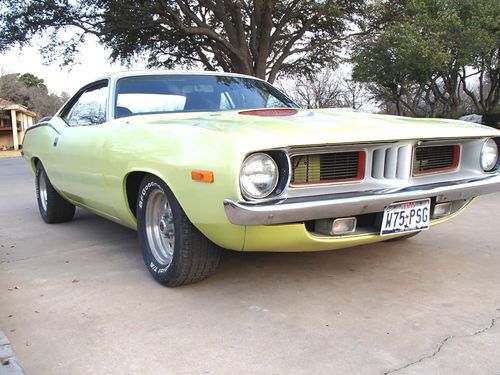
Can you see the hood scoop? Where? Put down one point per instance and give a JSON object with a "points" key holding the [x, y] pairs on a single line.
{"points": [[274, 112]]}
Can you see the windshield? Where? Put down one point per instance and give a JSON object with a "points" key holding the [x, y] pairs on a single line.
{"points": [[194, 93]]}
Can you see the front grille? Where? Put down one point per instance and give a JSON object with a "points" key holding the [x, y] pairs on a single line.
{"points": [[391, 162], [430, 159], [328, 168]]}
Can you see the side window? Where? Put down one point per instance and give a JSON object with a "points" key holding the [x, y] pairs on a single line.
{"points": [[90, 108]]}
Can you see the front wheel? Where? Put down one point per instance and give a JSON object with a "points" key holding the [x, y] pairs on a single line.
{"points": [[53, 208], [174, 251]]}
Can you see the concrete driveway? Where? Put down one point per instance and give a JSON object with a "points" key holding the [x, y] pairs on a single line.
{"points": [[76, 298]]}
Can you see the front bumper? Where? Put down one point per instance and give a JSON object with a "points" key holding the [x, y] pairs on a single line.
{"points": [[291, 210]]}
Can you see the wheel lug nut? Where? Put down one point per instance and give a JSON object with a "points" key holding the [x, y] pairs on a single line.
{"points": [[162, 226]]}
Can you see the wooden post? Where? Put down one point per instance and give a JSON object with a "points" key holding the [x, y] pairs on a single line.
{"points": [[14, 129], [24, 121]]}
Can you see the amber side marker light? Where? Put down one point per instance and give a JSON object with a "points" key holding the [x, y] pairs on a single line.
{"points": [[203, 176]]}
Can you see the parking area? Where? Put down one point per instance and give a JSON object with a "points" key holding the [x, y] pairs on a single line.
{"points": [[76, 298]]}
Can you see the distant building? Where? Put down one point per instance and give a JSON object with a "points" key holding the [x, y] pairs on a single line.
{"points": [[14, 120]]}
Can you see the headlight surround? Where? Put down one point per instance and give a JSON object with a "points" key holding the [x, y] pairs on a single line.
{"points": [[258, 176], [489, 155]]}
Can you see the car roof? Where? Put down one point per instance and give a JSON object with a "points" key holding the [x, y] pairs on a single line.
{"points": [[152, 72], [133, 73]]}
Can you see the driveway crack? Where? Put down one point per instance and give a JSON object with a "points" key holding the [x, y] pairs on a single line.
{"points": [[441, 345]]}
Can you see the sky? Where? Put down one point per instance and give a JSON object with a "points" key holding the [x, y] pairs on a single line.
{"points": [[92, 63]]}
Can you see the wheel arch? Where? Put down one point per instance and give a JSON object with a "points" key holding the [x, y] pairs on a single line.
{"points": [[216, 228], [132, 184], [34, 162]]}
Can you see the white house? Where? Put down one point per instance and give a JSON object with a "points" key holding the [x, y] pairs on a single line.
{"points": [[14, 120]]}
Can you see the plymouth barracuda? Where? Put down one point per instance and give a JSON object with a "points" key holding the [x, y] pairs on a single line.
{"points": [[196, 162]]}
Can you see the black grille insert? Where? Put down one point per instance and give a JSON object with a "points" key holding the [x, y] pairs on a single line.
{"points": [[429, 159], [324, 168]]}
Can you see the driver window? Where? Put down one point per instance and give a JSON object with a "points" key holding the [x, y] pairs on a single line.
{"points": [[90, 108]]}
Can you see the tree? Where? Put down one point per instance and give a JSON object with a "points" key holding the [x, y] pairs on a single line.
{"points": [[12, 89], [320, 90], [481, 55], [30, 91], [31, 80], [256, 37], [326, 89], [433, 53], [354, 94]]}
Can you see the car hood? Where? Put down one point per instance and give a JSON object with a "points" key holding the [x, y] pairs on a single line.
{"points": [[325, 126]]}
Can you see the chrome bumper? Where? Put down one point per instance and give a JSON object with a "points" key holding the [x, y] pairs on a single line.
{"points": [[290, 210]]}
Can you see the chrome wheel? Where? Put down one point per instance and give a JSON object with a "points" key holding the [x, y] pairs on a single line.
{"points": [[160, 229], [42, 189]]}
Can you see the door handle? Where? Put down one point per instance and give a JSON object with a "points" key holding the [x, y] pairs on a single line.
{"points": [[56, 139]]}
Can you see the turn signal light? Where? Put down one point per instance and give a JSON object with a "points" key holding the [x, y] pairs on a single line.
{"points": [[203, 176]]}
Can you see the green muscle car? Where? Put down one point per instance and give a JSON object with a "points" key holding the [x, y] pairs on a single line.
{"points": [[196, 162]]}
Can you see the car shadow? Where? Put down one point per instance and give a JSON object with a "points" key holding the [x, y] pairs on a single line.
{"points": [[264, 267]]}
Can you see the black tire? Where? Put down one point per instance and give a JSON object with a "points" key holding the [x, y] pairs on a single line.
{"points": [[191, 258], [53, 208], [402, 238]]}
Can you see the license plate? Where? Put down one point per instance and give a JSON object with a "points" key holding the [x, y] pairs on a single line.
{"points": [[406, 217]]}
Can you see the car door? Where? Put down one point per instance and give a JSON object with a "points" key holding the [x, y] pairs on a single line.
{"points": [[79, 148]]}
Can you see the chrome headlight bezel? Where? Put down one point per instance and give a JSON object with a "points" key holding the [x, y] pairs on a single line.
{"points": [[267, 163], [489, 155]]}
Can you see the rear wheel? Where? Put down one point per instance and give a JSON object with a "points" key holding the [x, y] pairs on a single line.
{"points": [[53, 208], [174, 251]]}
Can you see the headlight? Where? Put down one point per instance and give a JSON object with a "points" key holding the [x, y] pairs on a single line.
{"points": [[489, 155], [258, 176]]}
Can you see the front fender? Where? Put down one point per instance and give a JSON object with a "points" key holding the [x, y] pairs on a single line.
{"points": [[171, 154]]}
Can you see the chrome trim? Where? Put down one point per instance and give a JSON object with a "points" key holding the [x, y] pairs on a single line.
{"points": [[289, 179], [300, 209], [331, 148], [468, 168], [324, 184], [42, 189], [160, 227], [320, 150]]}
